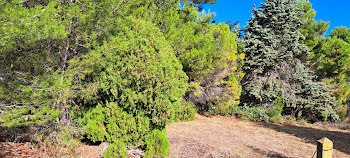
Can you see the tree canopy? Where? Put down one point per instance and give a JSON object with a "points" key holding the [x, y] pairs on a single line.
{"points": [[274, 68], [120, 71], [114, 71]]}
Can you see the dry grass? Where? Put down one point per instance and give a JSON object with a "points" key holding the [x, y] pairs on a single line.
{"points": [[230, 137]]}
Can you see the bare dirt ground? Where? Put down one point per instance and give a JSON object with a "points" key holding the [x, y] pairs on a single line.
{"points": [[224, 137], [231, 137], [24, 150]]}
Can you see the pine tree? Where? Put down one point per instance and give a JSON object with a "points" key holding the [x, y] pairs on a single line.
{"points": [[273, 64], [342, 33], [328, 56], [116, 71], [81, 67], [208, 53], [332, 64], [311, 29], [28, 40]]}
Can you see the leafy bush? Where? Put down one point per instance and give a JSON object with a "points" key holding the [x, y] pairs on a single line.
{"points": [[185, 112], [254, 113], [27, 90], [157, 144], [275, 112], [117, 149], [130, 86]]}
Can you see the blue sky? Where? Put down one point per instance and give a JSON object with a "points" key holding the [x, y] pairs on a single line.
{"points": [[335, 11]]}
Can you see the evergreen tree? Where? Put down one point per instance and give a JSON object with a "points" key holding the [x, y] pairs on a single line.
{"points": [[311, 29], [29, 61], [114, 71], [208, 53], [328, 56], [342, 33], [130, 86], [273, 66], [332, 63]]}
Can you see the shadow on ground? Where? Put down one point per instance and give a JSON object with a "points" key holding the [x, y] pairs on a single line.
{"points": [[341, 140], [270, 154], [15, 134]]}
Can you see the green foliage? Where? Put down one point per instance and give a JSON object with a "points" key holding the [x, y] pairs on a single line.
{"points": [[185, 112], [25, 87], [136, 82], [329, 55], [208, 53], [253, 113], [117, 149], [333, 57], [274, 68], [341, 33], [157, 144], [311, 29], [111, 124], [25, 26], [35, 105], [276, 110], [105, 66], [332, 60], [201, 47]]}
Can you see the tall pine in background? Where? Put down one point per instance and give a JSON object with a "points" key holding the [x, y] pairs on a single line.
{"points": [[273, 65], [331, 61], [329, 56], [311, 29]]}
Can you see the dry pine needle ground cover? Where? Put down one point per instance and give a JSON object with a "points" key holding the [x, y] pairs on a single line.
{"points": [[225, 137], [230, 137]]}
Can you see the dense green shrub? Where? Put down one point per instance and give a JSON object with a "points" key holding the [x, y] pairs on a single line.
{"points": [[117, 149], [106, 66], [185, 112], [157, 144], [255, 113], [25, 86], [130, 85], [275, 112]]}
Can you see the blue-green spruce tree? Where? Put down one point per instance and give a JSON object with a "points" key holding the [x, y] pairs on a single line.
{"points": [[274, 68]]}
